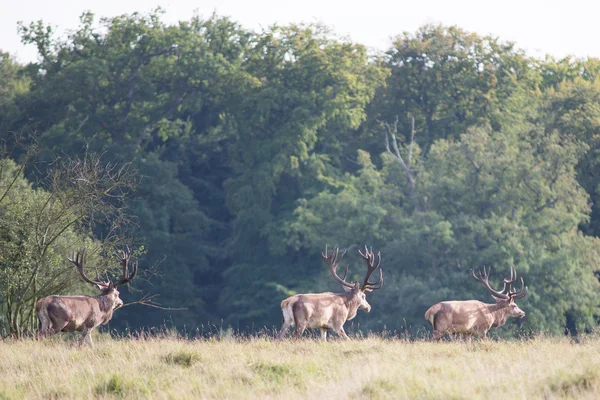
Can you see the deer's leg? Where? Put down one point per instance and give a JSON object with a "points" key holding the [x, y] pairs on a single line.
{"points": [[86, 337], [43, 329], [56, 326], [324, 334], [284, 330], [48, 330], [301, 317], [288, 320], [83, 337], [342, 333], [299, 331], [46, 325]]}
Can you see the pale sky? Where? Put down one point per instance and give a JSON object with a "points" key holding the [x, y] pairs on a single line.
{"points": [[538, 26]]}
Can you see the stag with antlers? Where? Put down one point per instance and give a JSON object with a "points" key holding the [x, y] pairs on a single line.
{"points": [[473, 317], [329, 311], [83, 313]]}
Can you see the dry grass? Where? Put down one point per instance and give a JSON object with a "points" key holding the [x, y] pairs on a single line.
{"points": [[360, 369]]}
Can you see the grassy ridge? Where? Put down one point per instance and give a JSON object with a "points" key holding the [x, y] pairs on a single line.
{"points": [[359, 369]]}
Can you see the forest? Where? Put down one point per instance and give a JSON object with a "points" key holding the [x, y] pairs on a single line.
{"points": [[228, 158]]}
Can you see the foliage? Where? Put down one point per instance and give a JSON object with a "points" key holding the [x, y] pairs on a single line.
{"points": [[13, 84], [450, 80], [258, 148]]}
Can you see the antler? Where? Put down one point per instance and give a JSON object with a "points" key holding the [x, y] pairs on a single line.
{"points": [[371, 267], [514, 294], [125, 257], [332, 261], [77, 260], [510, 292], [483, 278]]}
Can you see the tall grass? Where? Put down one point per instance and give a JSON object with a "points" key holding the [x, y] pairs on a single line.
{"points": [[369, 368]]}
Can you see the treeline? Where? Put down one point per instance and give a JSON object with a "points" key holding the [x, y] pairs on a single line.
{"points": [[256, 148]]}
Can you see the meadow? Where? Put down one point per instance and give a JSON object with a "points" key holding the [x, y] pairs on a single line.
{"points": [[368, 368]]}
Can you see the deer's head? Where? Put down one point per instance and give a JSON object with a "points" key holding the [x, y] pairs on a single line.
{"points": [[507, 296], [108, 288], [355, 288]]}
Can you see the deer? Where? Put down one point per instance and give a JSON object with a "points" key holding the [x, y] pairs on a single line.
{"points": [[83, 313], [473, 317], [329, 311]]}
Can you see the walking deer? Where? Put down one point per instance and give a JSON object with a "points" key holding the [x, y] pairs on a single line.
{"points": [[473, 317], [329, 311], [83, 313]]}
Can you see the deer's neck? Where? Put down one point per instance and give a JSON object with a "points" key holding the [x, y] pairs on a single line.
{"points": [[106, 305], [500, 313], [352, 302]]}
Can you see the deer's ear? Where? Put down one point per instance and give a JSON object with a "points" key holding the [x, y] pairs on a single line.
{"points": [[104, 286]]}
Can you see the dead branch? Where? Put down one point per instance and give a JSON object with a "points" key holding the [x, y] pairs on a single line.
{"points": [[392, 131], [148, 300]]}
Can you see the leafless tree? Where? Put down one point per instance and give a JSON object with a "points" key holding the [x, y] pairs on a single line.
{"points": [[83, 313], [74, 197], [407, 161]]}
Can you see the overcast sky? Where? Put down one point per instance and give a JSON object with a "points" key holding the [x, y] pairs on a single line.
{"points": [[540, 27]]}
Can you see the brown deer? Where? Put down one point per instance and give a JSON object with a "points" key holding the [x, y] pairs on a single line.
{"points": [[83, 313], [329, 311], [473, 317]]}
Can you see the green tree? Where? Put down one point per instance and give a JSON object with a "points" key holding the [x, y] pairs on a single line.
{"points": [[310, 81], [158, 94], [572, 110], [507, 199], [257, 148], [13, 84], [449, 80]]}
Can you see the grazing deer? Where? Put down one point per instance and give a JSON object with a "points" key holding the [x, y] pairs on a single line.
{"points": [[329, 311], [473, 317], [83, 313]]}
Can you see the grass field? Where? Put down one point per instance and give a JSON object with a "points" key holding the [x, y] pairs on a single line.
{"points": [[371, 368]]}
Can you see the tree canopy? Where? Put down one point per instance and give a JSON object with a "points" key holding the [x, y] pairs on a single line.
{"points": [[255, 149]]}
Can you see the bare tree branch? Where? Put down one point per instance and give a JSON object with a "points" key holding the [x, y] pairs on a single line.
{"points": [[148, 301], [391, 132]]}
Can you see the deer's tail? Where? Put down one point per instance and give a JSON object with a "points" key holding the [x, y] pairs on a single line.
{"points": [[41, 310], [431, 313], [286, 309]]}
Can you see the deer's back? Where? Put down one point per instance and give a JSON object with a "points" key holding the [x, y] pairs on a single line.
{"points": [[318, 309], [460, 316], [78, 311]]}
